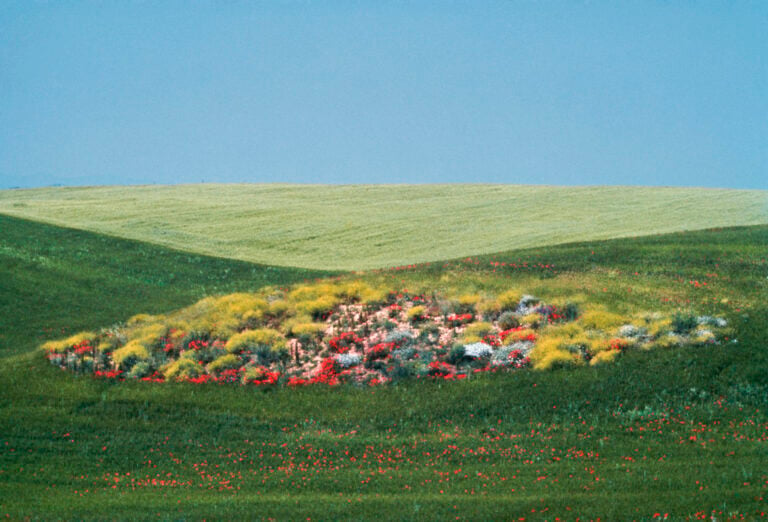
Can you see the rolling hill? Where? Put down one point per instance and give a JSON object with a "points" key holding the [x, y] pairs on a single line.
{"points": [[357, 227]]}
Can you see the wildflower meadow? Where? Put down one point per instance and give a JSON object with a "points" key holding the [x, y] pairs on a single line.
{"points": [[617, 379]]}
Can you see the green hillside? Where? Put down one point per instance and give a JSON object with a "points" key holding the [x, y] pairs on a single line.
{"points": [[366, 226], [678, 433]]}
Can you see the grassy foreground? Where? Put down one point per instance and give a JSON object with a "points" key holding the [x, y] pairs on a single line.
{"points": [[678, 433], [367, 226]]}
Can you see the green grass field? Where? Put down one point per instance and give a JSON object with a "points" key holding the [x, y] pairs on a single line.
{"points": [[361, 227], [679, 432]]}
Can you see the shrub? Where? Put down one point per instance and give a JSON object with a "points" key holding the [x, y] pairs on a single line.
{"points": [[532, 320], [238, 304], [404, 354], [277, 309], [702, 336], [129, 355], [399, 338], [467, 302], [253, 319], [550, 353], [265, 355], [570, 311], [301, 327], [508, 320], [631, 331], [478, 329], [416, 314], [604, 357], [139, 319], [64, 345], [601, 320], [250, 339], [429, 334], [140, 369], [489, 309], [477, 350], [254, 373], [683, 323], [523, 334], [456, 355], [183, 368], [509, 300], [318, 307], [669, 340], [347, 360], [225, 362]]}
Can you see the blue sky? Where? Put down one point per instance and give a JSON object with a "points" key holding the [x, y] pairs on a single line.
{"points": [[639, 93]]}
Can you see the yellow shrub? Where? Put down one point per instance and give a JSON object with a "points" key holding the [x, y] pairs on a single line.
{"points": [[531, 319], [252, 338], [373, 295], [488, 307], [470, 339], [601, 320], [479, 329], [469, 299], [303, 325], [416, 312], [509, 299], [253, 317], [604, 357], [311, 292], [236, 305], [667, 341], [660, 327], [149, 332], [253, 374], [550, 352], [225, 327], [317, 306], [139, 319], [182, 368], [65, 344], [278, 308], [567, 330], [132, 349], [359, 291], [313, 329], [704, 337], [225, 362]]}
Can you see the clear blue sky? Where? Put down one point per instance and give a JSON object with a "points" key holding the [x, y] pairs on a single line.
{"points": [[620, 92]]}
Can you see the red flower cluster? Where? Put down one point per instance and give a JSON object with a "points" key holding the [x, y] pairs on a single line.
{"points": [[345, 342], [619, 344], [83, 347], [379, 351], [110, 374], [327, 374], [506, 333], [458, 319], [197, 344]]}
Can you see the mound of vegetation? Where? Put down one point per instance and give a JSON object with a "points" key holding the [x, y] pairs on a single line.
{"points": [[351, 331]]}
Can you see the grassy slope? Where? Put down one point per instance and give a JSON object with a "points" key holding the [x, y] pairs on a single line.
{"points": [[356, 227], [56, 280], [565, 442]]}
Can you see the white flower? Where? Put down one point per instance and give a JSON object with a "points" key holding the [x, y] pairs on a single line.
{"points": [[478, 350], [629, 330], [346, 360]]}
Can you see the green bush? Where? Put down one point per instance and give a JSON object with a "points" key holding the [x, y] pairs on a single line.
{"points": [[508, 320], [683, 323]]}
